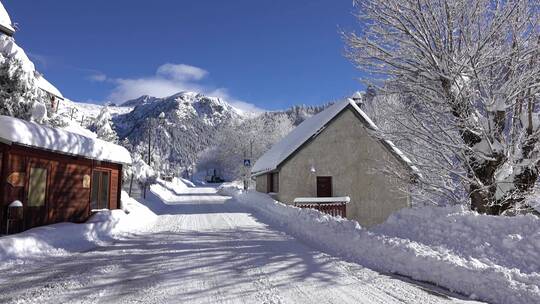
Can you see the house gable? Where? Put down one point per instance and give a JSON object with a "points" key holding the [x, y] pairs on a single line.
{"points": [[346, 152], [311, 128]]}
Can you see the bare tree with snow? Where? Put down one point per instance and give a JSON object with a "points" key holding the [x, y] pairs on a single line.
{"points": [[248, 138], [467, 75]]}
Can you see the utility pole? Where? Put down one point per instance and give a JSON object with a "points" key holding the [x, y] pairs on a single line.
{"points": [[149, 139]]}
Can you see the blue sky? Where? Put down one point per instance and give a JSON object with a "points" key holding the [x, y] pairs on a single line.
{"points": [[269, 53]]}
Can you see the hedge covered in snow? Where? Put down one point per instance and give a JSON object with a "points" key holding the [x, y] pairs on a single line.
{"points": [[489, 258]]}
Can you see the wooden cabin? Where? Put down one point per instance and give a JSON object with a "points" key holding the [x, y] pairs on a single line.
{"points": [[337, 154], [59, 176]]}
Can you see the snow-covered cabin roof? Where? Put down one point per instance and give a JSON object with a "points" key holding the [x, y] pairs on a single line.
{"points": [[310, 128], [5, 22], [48, 87], [17, 131]]}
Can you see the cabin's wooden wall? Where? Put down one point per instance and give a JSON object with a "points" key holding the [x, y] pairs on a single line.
{"points": [[66, 198]]}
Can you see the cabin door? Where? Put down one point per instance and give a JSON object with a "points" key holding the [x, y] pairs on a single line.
{"points": [[35, 207], [324, 186]]}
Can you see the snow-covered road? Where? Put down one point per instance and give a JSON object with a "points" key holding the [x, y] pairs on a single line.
{"points": [[205, 249]]}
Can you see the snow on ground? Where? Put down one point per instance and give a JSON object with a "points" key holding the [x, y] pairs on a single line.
{"points": [[205, 250], [65, 238], [510, 242], [418, 254]]}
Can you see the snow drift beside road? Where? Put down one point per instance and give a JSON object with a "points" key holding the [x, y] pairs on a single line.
{"points": [[167, 191], [510, 242], [63, 238], [444, 266]]}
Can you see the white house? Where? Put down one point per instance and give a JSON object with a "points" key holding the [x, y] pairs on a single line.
{"points": [[336, 154]]}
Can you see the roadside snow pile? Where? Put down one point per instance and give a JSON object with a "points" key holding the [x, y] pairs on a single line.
{"points": [[511, 242], [187, 182], [63, 238], [479, 278], [230, 188], [167, 190]]}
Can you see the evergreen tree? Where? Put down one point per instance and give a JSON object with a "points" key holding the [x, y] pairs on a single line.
{"points": [[102, 126], [18, 88]]}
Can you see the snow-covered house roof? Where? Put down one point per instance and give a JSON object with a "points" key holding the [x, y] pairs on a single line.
{"points": [[312, 127], [5, 22], [48, 87], [21, 132]]}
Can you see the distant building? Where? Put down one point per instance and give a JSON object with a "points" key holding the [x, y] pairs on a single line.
{"points": [[57, 175], [335, 154]]}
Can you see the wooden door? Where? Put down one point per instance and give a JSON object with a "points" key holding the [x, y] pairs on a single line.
{"points": [[100, 189], [324, 186], [35, 204]]}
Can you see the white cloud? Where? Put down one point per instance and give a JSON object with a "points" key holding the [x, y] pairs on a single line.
{"points": [[98, 77], [170, 79], [182, 72]]}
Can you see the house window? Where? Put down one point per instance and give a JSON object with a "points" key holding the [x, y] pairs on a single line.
{"points": [[37, 187], [324, 186], [100, 190], [273, 182]]}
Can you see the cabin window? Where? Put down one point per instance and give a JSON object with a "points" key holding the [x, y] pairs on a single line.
{"points": [[37, 187], [100, 190], [273, 182]]}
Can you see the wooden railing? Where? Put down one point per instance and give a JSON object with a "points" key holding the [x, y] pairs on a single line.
{"points": [[335, 206]]}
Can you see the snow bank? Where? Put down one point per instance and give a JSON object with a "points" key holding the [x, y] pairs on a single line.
{"points": [[167, 191], [64, 238], [394, 253], [511, 242], [58, 140]]}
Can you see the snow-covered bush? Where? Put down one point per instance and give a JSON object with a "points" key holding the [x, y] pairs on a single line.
{"points": [[243, 139]]}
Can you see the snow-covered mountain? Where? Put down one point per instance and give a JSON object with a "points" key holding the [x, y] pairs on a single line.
{"points": [[187, 127]]}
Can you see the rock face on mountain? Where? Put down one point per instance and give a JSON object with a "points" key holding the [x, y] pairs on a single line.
{"points": [[186, 127]]}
